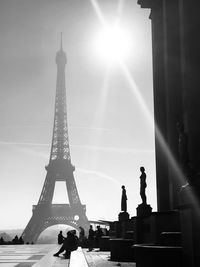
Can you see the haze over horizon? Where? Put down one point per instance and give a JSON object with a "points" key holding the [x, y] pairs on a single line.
{"points": [[109, 134]]}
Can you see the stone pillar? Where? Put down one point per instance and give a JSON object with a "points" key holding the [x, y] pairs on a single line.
{"points": [[159, 91], [160, 109], [167, 94], [173, 83], [190, 195], [189, 11], [190, 225]]}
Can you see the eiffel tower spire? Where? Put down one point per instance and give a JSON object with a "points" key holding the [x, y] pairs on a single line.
{"points": [[45, 213], [60, 140], [61, 41]]}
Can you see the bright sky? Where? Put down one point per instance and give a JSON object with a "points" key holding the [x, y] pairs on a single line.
{"points": [[110, 132]]}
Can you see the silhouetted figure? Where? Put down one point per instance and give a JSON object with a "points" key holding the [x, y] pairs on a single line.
{"points": [[124, 199], [15, 240], [91, 239], [2, 241], [60, 238], [182, 146], [81, 236], [106, 232], [98, 235], [21, 241], [70, 244], [143, 185], [186, 167]]}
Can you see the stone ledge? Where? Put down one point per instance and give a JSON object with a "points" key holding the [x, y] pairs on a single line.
{"points": [[121, 249], [157, 256]]}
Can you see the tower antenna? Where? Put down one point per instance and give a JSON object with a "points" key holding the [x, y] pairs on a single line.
{"points": [[61, 41]]}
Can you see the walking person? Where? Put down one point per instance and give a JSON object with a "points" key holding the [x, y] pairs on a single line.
{"points": [[98, 235], [81, 236], [91, 239]]}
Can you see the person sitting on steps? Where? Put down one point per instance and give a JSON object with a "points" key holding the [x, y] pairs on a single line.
{"points": [[60, 238], [70, 244]]}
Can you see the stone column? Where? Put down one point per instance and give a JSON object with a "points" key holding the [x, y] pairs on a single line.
{"points": [[173, 83], [160, 107], [190, 195], [167, 94], [189, 11], [190, 225], [159, 91]]}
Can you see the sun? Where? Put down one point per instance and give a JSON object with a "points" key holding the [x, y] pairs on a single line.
{"points": [[113, 43]]}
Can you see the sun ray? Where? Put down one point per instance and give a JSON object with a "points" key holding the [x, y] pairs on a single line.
{"points": [[143, 106], [150, 120], [98, 12], [95, 138], [120, 7], [99, 114]]}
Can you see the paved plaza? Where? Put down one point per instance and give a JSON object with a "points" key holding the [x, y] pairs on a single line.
{"points": [[42, 256]]}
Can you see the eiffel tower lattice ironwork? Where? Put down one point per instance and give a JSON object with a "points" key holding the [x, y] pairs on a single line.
{"points": [[46, 214]]}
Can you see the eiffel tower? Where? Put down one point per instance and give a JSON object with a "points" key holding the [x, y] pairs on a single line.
{"points": [[60, 168]]}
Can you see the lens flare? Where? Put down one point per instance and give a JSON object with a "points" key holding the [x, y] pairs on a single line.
{"points": [[113, 43]]}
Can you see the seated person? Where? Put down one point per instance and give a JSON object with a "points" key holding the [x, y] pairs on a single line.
{"points": [[60, 238], [70, 244]]}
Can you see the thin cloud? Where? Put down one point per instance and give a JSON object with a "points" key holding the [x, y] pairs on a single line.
{"points": [[98, 174], [90, 128], [27, 148], [21, 144], [50, 125], [97, 148], [115, 149]]}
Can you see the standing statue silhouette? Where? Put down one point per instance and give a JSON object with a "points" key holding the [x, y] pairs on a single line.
{"points": [[183, 146], [143, 185], [124, 199]]}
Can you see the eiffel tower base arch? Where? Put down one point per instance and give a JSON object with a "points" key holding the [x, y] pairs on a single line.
{"points": [[46, 215]]}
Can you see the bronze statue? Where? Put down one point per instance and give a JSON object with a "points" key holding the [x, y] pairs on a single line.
{"points": [[182, 146], [184, 160], [143, 185], [124, 199]]}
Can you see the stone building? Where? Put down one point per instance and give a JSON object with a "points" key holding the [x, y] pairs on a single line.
{"points": [[176, 78]]}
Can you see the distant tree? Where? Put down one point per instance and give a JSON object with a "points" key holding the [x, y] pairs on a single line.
{"points": [[5, 236]]}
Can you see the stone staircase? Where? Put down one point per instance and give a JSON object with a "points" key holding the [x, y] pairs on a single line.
{"points": [[155, 238], [162, 242]]}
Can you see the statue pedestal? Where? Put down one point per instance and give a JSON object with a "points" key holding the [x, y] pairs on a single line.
{"points": [[123, 216], [144, 210], [189, 199], [121, 244]]}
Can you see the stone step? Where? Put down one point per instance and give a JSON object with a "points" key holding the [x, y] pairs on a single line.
{"points": [[121, 249], [157, 256], [170, 239], [78, 259]]}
